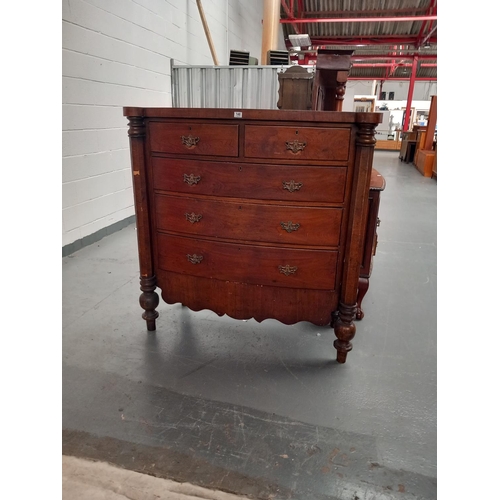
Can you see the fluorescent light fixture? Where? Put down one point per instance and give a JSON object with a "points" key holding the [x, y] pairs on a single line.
{"points": [[300, 40]]}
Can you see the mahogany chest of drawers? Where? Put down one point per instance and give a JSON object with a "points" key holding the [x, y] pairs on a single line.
{"points": [[253, 213]]}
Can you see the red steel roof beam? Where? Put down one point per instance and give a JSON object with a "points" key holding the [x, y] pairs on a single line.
{"points": [[359, 19], [390, 65], [339, 13], [429, 34], [366, 57], [378, 40], [289, 13], [380, 65], [396, 78], [300, 8], [390, 72], [423, 28]]}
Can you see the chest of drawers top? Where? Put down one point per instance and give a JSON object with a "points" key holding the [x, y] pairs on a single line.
{"points": [[269, 135]]}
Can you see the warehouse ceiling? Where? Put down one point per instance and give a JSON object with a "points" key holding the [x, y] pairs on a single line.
{"points": [[391, 39]]}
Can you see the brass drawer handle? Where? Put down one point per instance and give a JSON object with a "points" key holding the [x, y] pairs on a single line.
{"points": [[295, 146], [192, 217], [287, 270], [191, 179], [189, 141], [290, 226], [292, 186], [194, 259]]}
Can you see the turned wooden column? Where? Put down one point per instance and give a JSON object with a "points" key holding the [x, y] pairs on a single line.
{"points": [[343, 319], [332, 72], [149, 299], [340, 90]]}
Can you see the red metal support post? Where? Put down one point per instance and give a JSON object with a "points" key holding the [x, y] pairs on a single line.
{"points": [[410, 93]]}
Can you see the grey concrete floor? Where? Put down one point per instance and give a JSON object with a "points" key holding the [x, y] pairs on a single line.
{"points": [[262, 409]]}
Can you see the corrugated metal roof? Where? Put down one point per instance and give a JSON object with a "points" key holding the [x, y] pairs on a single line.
{"points": [[372, 38]]}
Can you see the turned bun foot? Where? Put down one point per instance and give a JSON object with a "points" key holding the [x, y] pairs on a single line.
{"points": [[149, 301], [344, 330], [342, 349], [151, 324]]}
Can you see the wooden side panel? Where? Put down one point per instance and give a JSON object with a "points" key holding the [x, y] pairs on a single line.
{"points": [[365, 142]]}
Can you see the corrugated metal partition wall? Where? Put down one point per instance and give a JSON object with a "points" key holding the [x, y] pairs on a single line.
{"points": [[225, 86]]}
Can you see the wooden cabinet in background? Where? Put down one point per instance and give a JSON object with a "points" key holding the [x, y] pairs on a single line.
{"points": [[253, 213], [377, 185], [295, 88], [408, 146]]}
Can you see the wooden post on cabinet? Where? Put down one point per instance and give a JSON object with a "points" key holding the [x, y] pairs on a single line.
{"points": [[149, 299], [342, 322]]}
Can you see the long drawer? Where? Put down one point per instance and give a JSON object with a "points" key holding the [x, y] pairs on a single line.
{"points": [[249, 221], [246, 180], [267, 266], [297, 143], [197, 139]]}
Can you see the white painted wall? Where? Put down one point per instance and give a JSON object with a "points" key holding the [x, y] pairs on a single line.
{"points": [[117, 53]]}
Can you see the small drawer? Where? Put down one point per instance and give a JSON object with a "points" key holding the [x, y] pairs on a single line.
{"points": [[197, 139], [244, 221], [274, 266], [297, 143], [253, 181]]}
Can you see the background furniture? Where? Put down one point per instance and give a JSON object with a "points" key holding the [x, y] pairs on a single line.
{"points": [[253, 213], [295, 88], [434, 164], [377, 185], [332, 70], [408, 146], [425, 154]]}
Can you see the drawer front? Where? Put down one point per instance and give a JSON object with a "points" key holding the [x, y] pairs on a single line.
{"points": [[198, 139], [297, 143], [268, 266], [263, 182], [249, 221]]}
